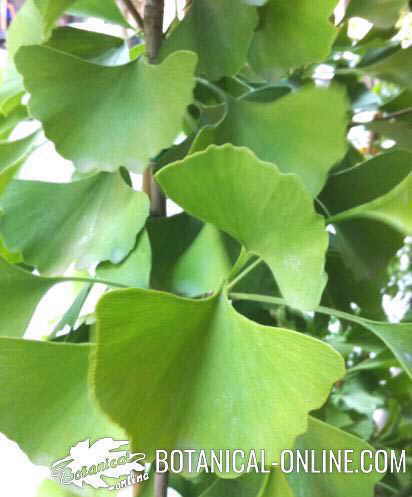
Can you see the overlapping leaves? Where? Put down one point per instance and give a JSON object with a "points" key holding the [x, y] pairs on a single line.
{"points": [[222, 47], [237, 366], [253, 202]]}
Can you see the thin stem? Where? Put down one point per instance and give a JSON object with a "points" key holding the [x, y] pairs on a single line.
{"points": [[385, 117], [90, 280], [130, 6], [153, 33], [243, 273], [213, 88], [279, 301], [161, 484], [156, 196]]}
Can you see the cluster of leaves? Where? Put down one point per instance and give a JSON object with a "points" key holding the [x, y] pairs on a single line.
{"points": [[181, 357]]}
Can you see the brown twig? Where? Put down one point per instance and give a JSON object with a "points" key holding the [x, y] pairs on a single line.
{"points": [[132, 9], [153, 27]]}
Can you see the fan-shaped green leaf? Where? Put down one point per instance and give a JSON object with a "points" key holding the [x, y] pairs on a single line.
{"points": [[102, 9], [86, 222], [241, 374], [292, 34], [222, 48], [56, 373], [380, 188], [298, 132], [189, 258], [124, 116], [20, 292], [323, 437], [94, 47], [269, 213], [134, 270]]}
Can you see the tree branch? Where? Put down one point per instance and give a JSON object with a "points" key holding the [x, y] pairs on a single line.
{"points": [[132, 9], [153, 33], [153, 27]]}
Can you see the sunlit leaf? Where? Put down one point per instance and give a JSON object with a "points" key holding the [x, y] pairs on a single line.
{"points": [[57, 374], [269, 213], [57, 224], [118, 117], [236, 366], [296, 132]]}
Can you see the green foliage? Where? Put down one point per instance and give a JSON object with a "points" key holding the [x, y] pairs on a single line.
{"points": [[221, 32], [231, 356], [274, 312], [93, 220], [60, 381]]}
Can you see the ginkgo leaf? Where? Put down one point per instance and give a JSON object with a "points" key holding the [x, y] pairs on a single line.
{"points": [[50, 11], [365, 240], [398, 337], [319, 437], [20, 292], [380, 188], [269, 213], [118, 118], [56, 373], [134, 270], [357, 264], [382, 13], [278, 45], [395, 67], [178, 244], [324, 437], [94, 47], [241, 374], [26, 28], [85, 222], [12, 154], [296, 132], [222, 48], [101, 9]]}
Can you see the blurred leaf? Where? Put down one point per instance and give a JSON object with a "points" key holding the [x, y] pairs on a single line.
{"points": [[106, 10], [382, 13], [396, 68]]}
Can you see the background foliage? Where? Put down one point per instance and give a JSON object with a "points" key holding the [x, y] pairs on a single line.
{"points": [[274, 312]]}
